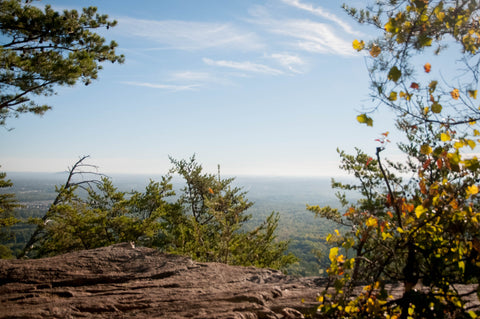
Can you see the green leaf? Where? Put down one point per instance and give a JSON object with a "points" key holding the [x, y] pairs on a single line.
{"points": [[436, 108], [394, 74]]}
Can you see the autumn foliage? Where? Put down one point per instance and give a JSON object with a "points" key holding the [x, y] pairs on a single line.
{"points": [[418, 221]]}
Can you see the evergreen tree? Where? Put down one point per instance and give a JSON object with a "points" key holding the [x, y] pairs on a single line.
{"points": [[44, 48], [215, 212]]}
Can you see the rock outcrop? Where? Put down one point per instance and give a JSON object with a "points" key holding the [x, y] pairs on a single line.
{"points": [[123, 282]]}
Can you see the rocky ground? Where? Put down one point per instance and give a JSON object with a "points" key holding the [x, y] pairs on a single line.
{"points": [[122, 282]]}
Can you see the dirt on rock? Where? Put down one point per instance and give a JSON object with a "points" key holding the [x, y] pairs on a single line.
{"points": [[123, 282]]}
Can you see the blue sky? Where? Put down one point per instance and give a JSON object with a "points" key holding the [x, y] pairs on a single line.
{"points": [[260, 87]]}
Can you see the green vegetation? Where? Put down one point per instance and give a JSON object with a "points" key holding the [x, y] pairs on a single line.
{"points": [[424, 228], [43, 49], [206, 221], [287, 196], [8, 203]]}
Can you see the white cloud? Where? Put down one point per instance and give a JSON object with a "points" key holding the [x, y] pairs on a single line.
{"points": [[322, 13], [289, 61], [169, 87], [246, 66], [191, 76], [199, 78], [186, 35], [312, 36]]}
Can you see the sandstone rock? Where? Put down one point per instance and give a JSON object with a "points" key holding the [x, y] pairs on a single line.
{"points": [[121, 281]]}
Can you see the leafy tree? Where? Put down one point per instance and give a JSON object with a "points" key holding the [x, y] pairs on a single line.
{"points": [[215, 212], [104, 218], [8, 203], [401, 76], [90, 212], [418, 221], [88, 177], [44, 48]]}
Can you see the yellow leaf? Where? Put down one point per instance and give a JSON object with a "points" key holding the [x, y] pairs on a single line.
{"points": [[472, 190], [371, 222], [426, 149], [341, 259], [420, 210], [476, 132], [454, 158], [358, 45], [471, 143], [441, 16], [333, 253], [472, 93], [364, 119], [389, 26], [458, 145], [455, 94], [445, 137], [411, 311], [337, 232], [393, 96], [329, 237], [375, 51]]}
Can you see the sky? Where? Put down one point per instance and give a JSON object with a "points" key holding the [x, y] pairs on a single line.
{"points": [[267, 87]]}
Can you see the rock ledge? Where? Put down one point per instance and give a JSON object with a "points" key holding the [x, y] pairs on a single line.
{"points": [[122, 282]]}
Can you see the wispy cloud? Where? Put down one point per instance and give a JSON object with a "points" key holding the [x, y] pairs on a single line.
{"points": [[199, 78], [191, 76], [187, 35], [168, 87], [245, 66], [289, 61], [310, 36], [319, 11]]}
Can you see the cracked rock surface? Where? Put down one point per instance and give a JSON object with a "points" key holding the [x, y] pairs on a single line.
{"points": [[123, 282]]}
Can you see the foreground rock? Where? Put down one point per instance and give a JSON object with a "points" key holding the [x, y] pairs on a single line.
{"points": [[122, 282]]}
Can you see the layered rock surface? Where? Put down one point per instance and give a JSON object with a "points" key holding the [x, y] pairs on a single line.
{"points": [[122, 282]]}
